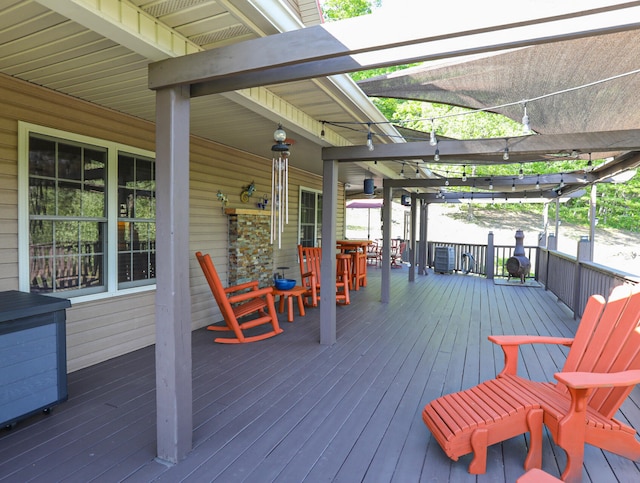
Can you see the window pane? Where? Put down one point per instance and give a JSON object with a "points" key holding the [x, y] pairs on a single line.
{"points": [[40, 256], [69, 162], [42, 197], [69, 198], [93, 203], [94, 167], [42, 157]]}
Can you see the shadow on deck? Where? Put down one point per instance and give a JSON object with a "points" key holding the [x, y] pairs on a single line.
{"points": [[288, 409]]}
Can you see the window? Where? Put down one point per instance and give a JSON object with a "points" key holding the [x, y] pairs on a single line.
{"points": [[90, 206], [310, 218], [136, 220]]}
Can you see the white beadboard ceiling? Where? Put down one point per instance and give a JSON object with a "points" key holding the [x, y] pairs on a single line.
{"points": [[102, 57]]}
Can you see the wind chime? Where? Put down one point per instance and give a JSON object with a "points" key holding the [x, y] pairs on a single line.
{"points": [[279, 185]]}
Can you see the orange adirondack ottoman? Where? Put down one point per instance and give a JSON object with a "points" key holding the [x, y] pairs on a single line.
{"points": [[601, 369]]}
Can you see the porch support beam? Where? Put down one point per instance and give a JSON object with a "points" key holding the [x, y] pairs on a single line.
{"points": [[385, 289], [522, 149], [413, 247], [328, 268], [173, 296], [334, 48]]}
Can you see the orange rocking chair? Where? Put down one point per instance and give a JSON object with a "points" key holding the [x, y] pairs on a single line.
{"points": [[310, 261], [234, 306]]}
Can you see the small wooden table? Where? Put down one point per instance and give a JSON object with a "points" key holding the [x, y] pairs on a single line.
{"points": [[296, 292]]}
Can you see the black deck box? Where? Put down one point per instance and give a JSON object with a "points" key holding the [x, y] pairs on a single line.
{"points": [[33, 354]]}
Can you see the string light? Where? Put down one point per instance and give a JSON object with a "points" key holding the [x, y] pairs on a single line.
{"points": [[513, 185], [436, 156], [590, 163], [446, 181], [538, 183], [491, 183], [562, 180], [464, 173], [521, 173], [432, 137], [505, 156], [322, 130], [526, 128], [370, 139]]}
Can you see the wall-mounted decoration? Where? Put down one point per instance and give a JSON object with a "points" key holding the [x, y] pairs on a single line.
{"points": [[247, 192], [262, 204], [222, 198]]}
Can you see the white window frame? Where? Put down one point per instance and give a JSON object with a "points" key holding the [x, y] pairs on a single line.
{"points": [[111, 249]]}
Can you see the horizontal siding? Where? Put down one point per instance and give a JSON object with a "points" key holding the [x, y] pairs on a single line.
{"points": [[100, 330]]}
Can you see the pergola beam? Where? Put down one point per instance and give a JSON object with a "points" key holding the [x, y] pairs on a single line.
{"points": [[340, 47], [523, 149]]}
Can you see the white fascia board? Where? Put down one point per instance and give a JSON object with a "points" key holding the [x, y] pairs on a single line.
{"points": [[127, 25]]}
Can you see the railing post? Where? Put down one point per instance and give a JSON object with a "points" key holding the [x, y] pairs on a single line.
{"points": [[552, 242], [583, 255], [490, 261]]}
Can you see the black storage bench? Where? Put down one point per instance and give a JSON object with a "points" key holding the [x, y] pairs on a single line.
{"points": [[33, 354]]}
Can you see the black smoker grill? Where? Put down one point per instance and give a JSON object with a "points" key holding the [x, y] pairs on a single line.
{"points": [[519, 265]]}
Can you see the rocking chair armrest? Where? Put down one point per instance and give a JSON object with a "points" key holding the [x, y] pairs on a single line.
{"points": [[588, 380], [510, 346], [268, 291], [242, 286], [311, 275]]}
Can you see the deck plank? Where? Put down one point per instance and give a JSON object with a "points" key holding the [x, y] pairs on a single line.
{"points": [[288, 409]]}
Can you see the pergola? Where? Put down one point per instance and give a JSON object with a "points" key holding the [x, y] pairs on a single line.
{"points": [[337, 48]]}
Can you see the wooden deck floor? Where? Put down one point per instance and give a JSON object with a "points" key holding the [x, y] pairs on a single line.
{"points": [[289, 410]]}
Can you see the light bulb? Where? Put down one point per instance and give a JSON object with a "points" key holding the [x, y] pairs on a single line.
{"points": [[370, 141], [513, 185], [279, 135], [491, 184], [538, 183], [436, 157], [446, 182], [521, 173], [505, 156], [432, 137], [526, 128]]}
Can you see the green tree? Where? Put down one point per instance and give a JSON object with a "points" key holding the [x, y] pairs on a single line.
{"points": [[340, 9]]}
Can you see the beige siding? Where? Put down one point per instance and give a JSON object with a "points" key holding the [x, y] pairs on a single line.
{"points": [[103, 329]]}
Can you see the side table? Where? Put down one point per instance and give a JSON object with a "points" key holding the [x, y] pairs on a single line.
{"points": [[296, 292]]}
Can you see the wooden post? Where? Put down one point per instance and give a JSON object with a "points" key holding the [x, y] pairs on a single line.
{"points": [[385, 288], [592, 219], [328, 268], [424, 216], [414, 245], [173, 298], [490, 262]]}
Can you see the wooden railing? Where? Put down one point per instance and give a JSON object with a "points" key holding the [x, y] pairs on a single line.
{"points": [[573, 281]]}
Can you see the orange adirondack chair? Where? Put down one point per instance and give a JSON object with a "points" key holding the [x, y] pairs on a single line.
{"points": [[310, 259], [601, 369], [235, 305]]}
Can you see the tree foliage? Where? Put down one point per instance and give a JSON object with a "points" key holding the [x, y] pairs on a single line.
{"points": [[341, 9]]}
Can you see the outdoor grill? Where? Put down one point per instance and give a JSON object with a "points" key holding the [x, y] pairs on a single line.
{"points": [[519, 265]]}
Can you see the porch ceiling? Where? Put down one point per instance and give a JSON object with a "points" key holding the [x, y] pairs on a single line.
{"points": [[91, 55]]}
